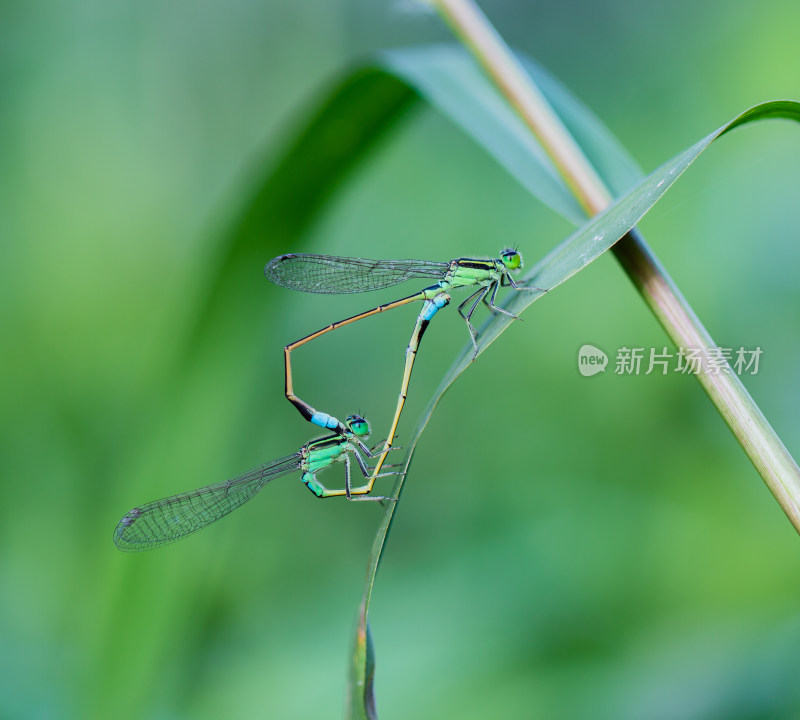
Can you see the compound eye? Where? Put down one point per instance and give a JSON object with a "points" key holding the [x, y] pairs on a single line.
{"points": [[511, 259], [358, 425]]}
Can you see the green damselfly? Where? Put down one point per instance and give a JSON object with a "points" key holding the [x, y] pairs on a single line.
{"points": [[333, 275], [164, 521]]}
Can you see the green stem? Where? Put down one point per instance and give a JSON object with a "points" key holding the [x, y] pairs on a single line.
{"points": [[764, 448]]}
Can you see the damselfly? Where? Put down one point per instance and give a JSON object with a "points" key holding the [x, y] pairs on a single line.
{"points": [[164, 521], [333, 275]]}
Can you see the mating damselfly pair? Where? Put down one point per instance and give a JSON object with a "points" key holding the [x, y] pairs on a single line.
{"points": [[163, 521]]}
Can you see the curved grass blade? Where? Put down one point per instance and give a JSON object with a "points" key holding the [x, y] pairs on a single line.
{"points": [[568, 258]]}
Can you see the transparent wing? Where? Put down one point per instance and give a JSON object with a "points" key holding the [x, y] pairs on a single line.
{"points": [[338, 275], [164, 521]]}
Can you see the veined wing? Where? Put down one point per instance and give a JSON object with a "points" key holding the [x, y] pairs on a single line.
{"points": [[167, 520], [338, 275]]}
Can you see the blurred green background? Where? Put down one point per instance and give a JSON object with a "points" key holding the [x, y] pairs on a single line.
{"points": [[567, 547]]}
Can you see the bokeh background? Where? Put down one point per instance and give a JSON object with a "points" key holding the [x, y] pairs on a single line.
{"points": [[567, 547]]}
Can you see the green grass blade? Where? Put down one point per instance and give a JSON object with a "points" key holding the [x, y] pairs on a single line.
{"points": [[361, 696]]}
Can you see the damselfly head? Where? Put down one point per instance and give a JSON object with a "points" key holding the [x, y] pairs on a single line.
{"points": [[357, 425], [511, 259]]}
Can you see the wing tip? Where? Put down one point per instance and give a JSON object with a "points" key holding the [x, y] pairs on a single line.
{"points": [[271, 267], [125, 522]]}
